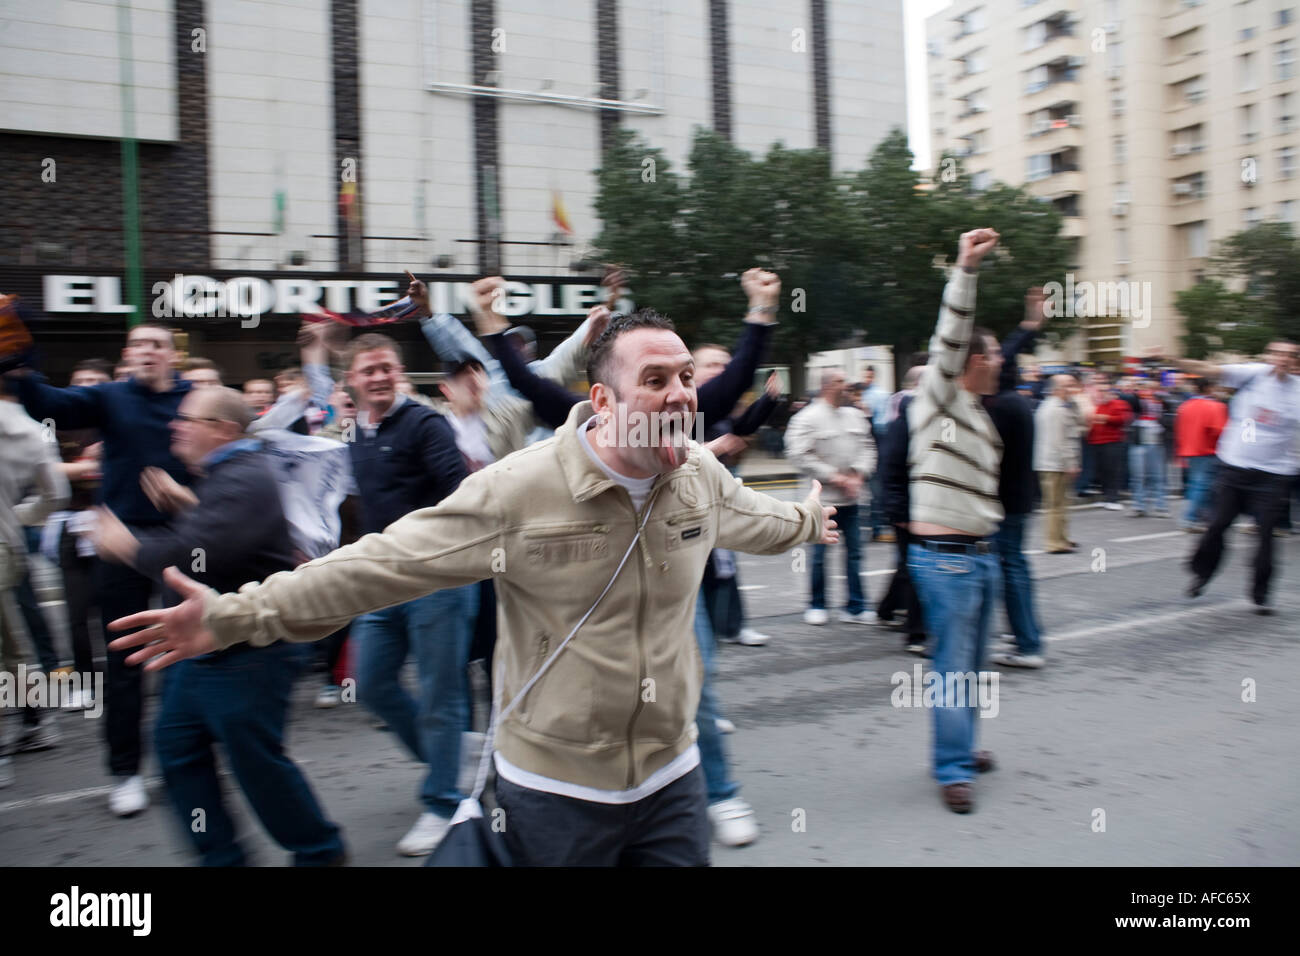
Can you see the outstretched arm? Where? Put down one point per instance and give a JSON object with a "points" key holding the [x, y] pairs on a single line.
{"points": [[428, 550], [718, 396]]}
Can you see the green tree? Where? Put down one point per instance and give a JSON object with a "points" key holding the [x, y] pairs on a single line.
{"points": [[1212, 313], [861, 256]]}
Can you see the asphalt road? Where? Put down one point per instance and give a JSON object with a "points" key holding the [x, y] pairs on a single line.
{"points": [[1139, 715]]}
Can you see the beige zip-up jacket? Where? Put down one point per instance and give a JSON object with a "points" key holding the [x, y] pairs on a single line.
{"points": [[549, 527]]}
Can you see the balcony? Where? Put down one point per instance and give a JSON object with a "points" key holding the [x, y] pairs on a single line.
{"points": [[1054, 93], [1074, 227], [1058, 185], [1185, 67], [1062, 136]]}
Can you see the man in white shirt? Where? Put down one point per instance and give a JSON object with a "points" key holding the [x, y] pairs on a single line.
{"points": [[1259, 456]]}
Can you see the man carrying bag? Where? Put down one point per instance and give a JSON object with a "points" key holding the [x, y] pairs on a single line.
{"points": [[596, 757]]}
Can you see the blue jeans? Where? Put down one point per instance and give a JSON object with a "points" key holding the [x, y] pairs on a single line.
{"points": [[1200, 479], [957, 592], [1146, 464], [1018, 585], [239, 699], [876, 483], [438, 628], [713, 755], [846, 519]]}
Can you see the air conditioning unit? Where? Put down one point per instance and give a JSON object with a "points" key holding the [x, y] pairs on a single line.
{"points": [[1074, 119], [1119, 209], [1182, 189], [1195, 96], [1182, 149]]}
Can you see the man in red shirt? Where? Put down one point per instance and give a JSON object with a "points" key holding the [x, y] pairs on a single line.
{"points": [[1106, 436], [1196, 435]]}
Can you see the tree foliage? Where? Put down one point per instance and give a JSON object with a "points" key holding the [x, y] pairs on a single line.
{"points": [[861, 255], [1250, 297]]}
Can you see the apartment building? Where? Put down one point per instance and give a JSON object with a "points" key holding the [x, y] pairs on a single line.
{"points": [[1156, 127]]}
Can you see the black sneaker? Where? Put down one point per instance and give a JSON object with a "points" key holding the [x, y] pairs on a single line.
{"points": [[1198, 585]]}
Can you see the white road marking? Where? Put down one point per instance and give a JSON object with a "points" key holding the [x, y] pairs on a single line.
{"points": [[1149, 537], [1136, 623], [751, 587]]}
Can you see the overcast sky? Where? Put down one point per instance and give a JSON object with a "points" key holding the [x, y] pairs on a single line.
{"points": [[918, 127]]}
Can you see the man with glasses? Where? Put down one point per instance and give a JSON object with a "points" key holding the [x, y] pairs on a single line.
{"points": [[230, 529], [1258, 460]]}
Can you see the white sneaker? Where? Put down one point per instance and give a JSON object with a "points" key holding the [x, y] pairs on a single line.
{"points": [[1012, 659], [724, 726], [423, 838], [6, 771], [129, 797], [749, 637], [329, 696], [815, 616], [1113, 506], [862, 617], [733, 822]]}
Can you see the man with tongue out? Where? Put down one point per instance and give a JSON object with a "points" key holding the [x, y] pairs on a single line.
{"points": [[597, 530]]}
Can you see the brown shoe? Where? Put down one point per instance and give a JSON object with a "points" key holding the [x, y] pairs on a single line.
{"points": [[958, 797], [984, 761]]}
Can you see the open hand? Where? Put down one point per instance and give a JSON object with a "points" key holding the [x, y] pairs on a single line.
{"points": [[829, 534], [170, 634], [598, 316]]}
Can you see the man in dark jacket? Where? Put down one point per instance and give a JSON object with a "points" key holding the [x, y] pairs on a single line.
{"points": [[1013, 416], [133, 418], [405, 458], [230, 529]]}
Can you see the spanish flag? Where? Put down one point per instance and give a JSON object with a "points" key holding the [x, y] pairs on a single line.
{"points": [[559, 214]]}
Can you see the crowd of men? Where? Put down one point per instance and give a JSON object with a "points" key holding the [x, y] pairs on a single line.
{"points": [[514, 521]]}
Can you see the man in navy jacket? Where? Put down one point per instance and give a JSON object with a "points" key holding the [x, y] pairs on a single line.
{"points": [[229, 530], [404, 457], [133, 418]]}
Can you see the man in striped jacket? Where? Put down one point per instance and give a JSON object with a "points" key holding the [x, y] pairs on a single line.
{"points": [[954, 459]]}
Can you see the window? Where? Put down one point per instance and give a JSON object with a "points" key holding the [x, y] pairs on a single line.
{"points": [[1116, 102], [1247, 65], [1247, 19], [1286, 16], [1038, 166], [1247, 121], [981, 181], [1119, 149], [1286, 162], [1286, 210], [976, 61], [1121, 247], [1114, 57], [1035, 35], [1252, 217], [1036, 79], [1284, 109], [1194, 240], [1284, 60]]}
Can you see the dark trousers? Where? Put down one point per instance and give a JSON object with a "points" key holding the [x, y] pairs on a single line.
{"points": [[667, 828], [901, 594], [239, 699], [722, 600], [121, 592], [484, 643], [1238, 490], [37, 629], [1109, 459], [328, 651], [79, 596]]}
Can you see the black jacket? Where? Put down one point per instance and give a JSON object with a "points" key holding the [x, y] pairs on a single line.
{"points": [[236, 533], [1013, 415], [411, 462], [893, 467]]}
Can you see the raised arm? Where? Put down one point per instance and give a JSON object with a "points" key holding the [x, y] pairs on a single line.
{"points": [[718, 396], [951, 341], [1022, 339], [551, 401]]}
